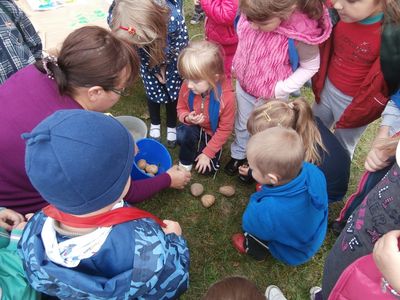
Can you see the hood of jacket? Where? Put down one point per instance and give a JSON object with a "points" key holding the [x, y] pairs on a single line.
{"points": [[309, 180], [300, 27]]}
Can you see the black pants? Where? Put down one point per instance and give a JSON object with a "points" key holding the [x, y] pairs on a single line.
{"points": [[198, 9], [256, 248], [193, 140], [154, 110]]}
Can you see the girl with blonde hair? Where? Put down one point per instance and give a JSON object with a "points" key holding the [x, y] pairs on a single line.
{"points": [[321, 146], [206, 107], [158, 29]]}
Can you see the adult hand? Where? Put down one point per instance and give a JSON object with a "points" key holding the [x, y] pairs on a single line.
{"points": [[193, 118], [376, 159], [387, 257], [203, 163], [9, 219], [179, 177], [172, 227]]}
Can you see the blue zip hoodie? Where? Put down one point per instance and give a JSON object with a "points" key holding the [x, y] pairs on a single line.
{"points": [[291, 218]]}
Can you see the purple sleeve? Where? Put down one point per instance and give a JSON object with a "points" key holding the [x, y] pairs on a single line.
{"points": [[143, 189]]}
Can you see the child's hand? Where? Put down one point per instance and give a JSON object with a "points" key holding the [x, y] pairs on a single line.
{"points": [[172, 227], [387, 257], [244, 170], [179, 177], [203, 163], [193, 118], [9, 219], [161, 76], [376, 159]]}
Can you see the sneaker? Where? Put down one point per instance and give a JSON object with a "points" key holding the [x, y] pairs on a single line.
{"points": [[314, 291], [238, 242], [186, 167], [232, 167], [197, 18], [274, 293], [248, 179]]}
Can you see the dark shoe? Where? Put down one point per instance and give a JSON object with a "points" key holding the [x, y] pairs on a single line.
{"points": [[171, 144], [248, 179], [197, 18], [232, 167], [238, 242]]}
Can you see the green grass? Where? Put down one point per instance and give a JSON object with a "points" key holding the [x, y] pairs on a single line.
{"points": [[208, 231]]}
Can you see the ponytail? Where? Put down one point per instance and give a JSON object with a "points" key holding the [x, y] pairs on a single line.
{"points": [[305, 126], [391, 10], [297, 115]]}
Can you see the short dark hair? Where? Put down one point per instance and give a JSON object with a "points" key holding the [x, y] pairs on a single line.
{"points": [[233, 288]]}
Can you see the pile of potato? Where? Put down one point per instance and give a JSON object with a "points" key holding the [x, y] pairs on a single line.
{"points": [[150, 169], [207, 200]]}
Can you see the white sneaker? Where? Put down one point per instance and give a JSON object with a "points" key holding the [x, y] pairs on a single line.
{"points": [[186, 167], [274, 293], [313, 291]]}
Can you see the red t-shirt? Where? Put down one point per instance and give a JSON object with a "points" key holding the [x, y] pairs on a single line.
{"points": [[356, 46]]}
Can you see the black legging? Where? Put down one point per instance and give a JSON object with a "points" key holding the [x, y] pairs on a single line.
{"points": [[154, 110]]}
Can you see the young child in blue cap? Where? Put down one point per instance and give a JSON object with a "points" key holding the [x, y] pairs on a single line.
{"points": [[88, 244]]}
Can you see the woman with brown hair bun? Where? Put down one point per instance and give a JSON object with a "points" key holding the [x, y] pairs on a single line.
{"points": [[93, 69]]}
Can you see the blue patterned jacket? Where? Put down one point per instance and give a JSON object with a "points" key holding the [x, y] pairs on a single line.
{"points": [[137, 261], [20, 45]]}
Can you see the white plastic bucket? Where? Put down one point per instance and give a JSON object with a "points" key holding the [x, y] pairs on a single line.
{"points": [[136, 126]]}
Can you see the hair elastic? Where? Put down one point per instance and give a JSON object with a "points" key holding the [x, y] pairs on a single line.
{"points": [[130, 29], [45, 61]]}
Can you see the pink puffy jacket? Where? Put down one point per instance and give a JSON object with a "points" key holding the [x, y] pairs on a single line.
{"points": [[219, 26]]}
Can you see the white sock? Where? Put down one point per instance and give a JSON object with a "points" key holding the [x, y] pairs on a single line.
{"points": [[186, 167], [155, 131], [171, 134]]}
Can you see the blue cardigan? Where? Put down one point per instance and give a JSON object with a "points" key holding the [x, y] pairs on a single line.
{"points": [[291, 218]]}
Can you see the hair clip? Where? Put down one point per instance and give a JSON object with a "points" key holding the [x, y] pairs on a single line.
{"points": [[130, 29], [290, 104], [266, 116]]}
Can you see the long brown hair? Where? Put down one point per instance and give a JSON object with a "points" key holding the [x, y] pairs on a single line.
{"points": [[391, 11], [262, 10], [92, 56], [149, 20], [297, 115]]}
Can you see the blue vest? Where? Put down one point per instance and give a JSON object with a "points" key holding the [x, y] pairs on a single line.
{"points": [[213, 107]]}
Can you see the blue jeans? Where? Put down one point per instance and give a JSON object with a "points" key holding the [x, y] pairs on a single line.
{"points": [[193, 140]]}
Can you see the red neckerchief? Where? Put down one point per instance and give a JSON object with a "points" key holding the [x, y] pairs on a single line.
{"points": [[109, 218]]}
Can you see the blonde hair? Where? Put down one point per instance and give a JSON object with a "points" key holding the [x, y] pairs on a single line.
{"points": [[202, 60], [297, 115], [149, 23], [277, 150], [262, 10]]}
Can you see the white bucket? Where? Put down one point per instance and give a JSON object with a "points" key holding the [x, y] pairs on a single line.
{"points": [[136, 126]]}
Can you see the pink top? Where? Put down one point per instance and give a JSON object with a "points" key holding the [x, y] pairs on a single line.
{"points": [[262, 58]]}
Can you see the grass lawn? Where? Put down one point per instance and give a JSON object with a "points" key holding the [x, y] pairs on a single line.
{"points": [[208, 231]]}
